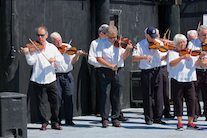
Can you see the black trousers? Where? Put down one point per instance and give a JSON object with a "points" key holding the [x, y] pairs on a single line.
{"points": [[152, 91], [166, 100], [66, 95], [52, 92], [182, 90], [98, 90], [110, 89], [201, 82]]}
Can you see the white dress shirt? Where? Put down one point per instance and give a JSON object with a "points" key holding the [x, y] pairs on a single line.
{"points": [[68, 58], [184, 71], [92, 53], [143, 50], [110, 53], [43, 71]]}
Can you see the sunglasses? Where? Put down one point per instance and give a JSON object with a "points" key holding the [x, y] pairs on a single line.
{"points": [[41, 35]]}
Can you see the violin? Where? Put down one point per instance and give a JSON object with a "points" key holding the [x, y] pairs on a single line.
{"points": [[168, 44], [123, 42], [34, 46], [71, 51], [204, 46], [185, 51], [189, 51], [156, 45]]}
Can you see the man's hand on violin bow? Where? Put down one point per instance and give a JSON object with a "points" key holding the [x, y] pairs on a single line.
{"points": [[148, 57], [25, 50]]}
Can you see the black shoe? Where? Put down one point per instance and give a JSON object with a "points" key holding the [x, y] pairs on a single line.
{"points": [[70, 123], [168, 116], [159, 122], [149, 122], [123, 119]]}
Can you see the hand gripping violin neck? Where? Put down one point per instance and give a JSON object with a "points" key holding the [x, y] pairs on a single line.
{"points": [[123, 42]]}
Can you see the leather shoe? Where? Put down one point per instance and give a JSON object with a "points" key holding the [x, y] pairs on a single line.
{"points": [[44, 127], [159, 122], [116, 124], [123, 119], [70, 123], [105, 124], [169, 116], [56, 126], [149, 122]]}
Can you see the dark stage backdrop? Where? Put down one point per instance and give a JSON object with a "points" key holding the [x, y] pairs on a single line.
{"points": [[78, 20]]}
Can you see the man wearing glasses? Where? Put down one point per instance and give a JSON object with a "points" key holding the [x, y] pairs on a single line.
{"points": [[111, 59], [44, 78]]}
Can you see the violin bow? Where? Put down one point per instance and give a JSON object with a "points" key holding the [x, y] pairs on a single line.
{"points": [[165, 33], [68, 44], [42, 53], [169, 34], [197, 33], [37, 48]]}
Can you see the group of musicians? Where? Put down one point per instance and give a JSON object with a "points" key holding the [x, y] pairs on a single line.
{"points": [[52, 76]]}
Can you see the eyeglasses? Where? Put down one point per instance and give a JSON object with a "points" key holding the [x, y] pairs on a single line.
{"points": [[41, 35], [112, 37]]}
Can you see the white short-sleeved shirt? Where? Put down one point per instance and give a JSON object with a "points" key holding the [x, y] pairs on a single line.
{"points": [[143, 50], [43, 71], [196, 46], [110, 53], [184, 71], [92, 53], [68, 58]]}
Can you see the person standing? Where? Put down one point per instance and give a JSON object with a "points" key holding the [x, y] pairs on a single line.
{"points": [[166, 100], [92, 60], [200, 70], [181, 68], [111, 59], [192, 35], [151, 76], [65, 81], [44, 78]]}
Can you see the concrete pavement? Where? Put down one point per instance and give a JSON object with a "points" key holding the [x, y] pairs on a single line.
{"points": [[90, 127]]}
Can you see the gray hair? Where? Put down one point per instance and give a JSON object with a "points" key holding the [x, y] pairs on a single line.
{"points": [[54, 35], [36, 29], [103, 28], [202, 27], [192, 32], [179, 38], [111, 30]]}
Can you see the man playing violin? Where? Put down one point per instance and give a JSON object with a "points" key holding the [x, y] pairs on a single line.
{"points": [[44, 78], [111, 59], [166, 100], [65, 81], [181, 68], [92, 60], [200, 70], [192, 35], [151, 77]]}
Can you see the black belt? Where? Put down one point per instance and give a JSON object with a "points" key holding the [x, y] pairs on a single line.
{"points": [[109, 68], [203, 70], [163, 66], [63, 73]]}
